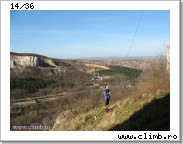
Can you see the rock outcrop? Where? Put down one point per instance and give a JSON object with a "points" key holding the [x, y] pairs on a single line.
{"points": [[168, 59], [30, 60]]}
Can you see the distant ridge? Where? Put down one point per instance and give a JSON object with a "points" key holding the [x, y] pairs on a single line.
{"points": [[122, 58], [27, 54]]}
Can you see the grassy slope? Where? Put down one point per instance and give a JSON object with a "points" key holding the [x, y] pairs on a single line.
{"points": [[144, 113]]}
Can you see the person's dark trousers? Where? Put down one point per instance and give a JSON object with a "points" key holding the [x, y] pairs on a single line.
{"points": [[106, 104]]}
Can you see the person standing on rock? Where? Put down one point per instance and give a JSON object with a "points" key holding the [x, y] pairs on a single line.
{"points": [[107, 93]]}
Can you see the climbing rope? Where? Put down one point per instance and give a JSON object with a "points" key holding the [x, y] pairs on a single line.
{"points": [[134, 35]]}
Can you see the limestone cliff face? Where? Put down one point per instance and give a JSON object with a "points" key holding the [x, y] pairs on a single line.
{"points": [[16, 60]]}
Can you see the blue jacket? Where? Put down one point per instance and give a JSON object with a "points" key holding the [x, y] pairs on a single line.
{"points": [[106, 94]]}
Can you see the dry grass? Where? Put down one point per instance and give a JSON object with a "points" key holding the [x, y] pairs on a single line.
{"points": [[87, 103], [152, 83], [97, 66], [97, 120]]}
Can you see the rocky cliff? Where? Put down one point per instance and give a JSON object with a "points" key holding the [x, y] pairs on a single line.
{"points": [[168, 59], [30, 60]]}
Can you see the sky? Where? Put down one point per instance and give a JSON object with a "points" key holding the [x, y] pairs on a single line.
{"points": [[69, 34]]}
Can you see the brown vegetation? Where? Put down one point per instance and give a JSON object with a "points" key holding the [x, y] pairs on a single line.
{"points": [[84, 98]]}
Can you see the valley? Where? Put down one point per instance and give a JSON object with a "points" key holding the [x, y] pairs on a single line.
{"points": [[44, 88]]}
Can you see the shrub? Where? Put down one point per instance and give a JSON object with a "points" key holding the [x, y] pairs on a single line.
{"points": [[29, 84], [128, 73]]}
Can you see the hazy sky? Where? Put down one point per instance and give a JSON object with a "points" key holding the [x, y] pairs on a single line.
{"points": [[89, 33]]}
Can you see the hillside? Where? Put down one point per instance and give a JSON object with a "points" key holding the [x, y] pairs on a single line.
{"points": [[144, 104], [40, 69], [69, 95], [147, 113]]}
